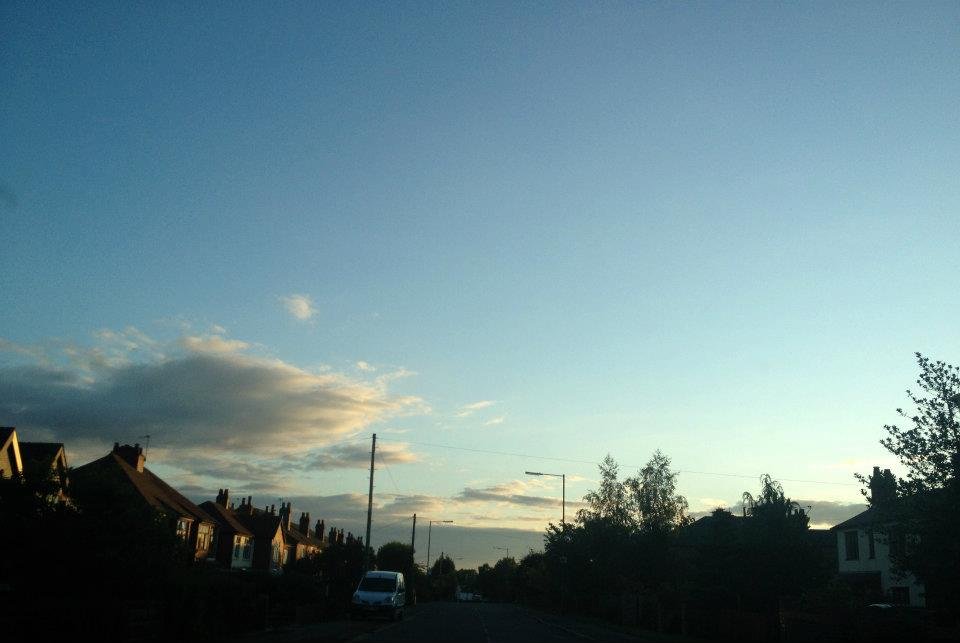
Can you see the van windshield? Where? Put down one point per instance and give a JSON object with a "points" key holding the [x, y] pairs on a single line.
{"points": [[375, 584]]}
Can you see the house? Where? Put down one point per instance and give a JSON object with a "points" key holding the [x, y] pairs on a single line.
{"points": [[863, 550], [22, 458], [269, 545], [124, 465], [300, 540], [233, 543], [49, 456], [10, 462]]}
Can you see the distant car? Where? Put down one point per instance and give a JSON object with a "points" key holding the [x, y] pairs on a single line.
{"points": [[380, 594]]}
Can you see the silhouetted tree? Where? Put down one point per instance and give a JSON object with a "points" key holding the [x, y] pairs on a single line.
{"points": [[924, 516], [443, 579], [781, 558], [653, 499]]}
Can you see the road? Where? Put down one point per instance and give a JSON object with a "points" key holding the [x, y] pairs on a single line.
{"points": [[487, 623]]}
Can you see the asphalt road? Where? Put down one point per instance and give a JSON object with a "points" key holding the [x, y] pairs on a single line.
{"points": [[486, 623]]}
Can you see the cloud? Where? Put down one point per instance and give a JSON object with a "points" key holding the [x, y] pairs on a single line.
{"points": [[510, 494], [357, 456], [470, 409], [497, 420], [300, 306], [823, 513], [365, 366], [199, 392], [212, 344]]}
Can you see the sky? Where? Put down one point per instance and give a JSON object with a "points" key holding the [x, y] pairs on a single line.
{"points": [[502, 236]]}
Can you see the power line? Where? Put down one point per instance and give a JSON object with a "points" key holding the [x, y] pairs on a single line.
{"points": [[594, 463], [387, 469]]}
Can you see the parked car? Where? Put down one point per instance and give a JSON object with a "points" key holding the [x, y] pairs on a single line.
{"points": [[380, 594]]}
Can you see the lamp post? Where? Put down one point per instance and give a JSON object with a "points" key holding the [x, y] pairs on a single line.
{"points": [[563, 477], [506, 549], [429, 534]]}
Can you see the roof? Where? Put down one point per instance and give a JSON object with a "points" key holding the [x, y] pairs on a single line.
{"points": [[155, 491], [294, 534], [40, 451], [263, 525], [225, 518], [867, 517]]}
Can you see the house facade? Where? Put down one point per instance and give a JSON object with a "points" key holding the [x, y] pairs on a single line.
{"points": [[864, 551], [301, 541], [233, 543], [124, 465], [269, 544]]}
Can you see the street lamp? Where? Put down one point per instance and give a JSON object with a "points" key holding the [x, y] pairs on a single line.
{"points": [[506, 549], [429, 533], [563, 476]]}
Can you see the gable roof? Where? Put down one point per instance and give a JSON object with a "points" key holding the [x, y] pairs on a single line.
{"points": [[43, 452], [155, 491], [294, 534], [263, 525], [867, 517], [225, 518]]}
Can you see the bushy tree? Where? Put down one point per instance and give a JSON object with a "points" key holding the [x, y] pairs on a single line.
{"points": [[443, 579], [778, 552], [653, 499], [923, 517]]}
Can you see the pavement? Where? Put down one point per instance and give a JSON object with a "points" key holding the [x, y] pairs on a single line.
{"points": [[462, 623]]}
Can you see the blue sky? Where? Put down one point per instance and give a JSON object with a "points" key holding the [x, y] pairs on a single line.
{"points": [[717, 230]]}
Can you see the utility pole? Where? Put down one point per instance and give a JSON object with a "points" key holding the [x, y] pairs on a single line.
{"points": [[563, 514], [413, 536], [366, 543]]}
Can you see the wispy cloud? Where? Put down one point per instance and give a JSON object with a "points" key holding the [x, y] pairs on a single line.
{"points": [[365, 366], [494, 421], [300, 306], [470, 409]]}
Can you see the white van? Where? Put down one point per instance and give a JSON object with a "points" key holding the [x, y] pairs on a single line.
{"points": [[380, 593]]}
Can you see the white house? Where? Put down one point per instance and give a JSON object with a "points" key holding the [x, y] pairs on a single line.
{"points": [[863, 557]]}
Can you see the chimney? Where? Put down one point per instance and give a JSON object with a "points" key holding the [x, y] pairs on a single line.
{"points": [[285, 510], [304, 523], [273, 509], [883, 487], [318, 530], [132, 455]]}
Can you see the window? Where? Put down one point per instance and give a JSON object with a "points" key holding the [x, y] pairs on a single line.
{"points": [[276, 552], [871, 541], [247, 547], [204, 536], [183, 530], [852, 544], [237, 540]]}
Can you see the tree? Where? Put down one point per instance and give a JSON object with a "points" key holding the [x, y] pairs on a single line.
{"points": [[923, 516], [930, 449], [780, 557], [609, 502], [443, 578], [654, 502]]}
